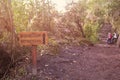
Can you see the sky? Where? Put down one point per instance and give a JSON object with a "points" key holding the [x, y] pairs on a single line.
{"points": [[60, 4]]}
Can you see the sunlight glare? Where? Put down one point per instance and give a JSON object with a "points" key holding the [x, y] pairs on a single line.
{"points": [[60, 4]]}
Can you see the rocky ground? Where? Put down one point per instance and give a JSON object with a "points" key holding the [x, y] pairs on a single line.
{"points": [[99, 62]]}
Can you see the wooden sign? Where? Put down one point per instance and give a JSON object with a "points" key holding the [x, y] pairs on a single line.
{"points": [[33, 38]]}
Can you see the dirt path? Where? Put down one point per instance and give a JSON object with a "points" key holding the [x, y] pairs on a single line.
{"points": [[81, 63]]}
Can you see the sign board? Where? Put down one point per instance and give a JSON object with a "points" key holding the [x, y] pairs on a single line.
{"points": [[33, 38]]}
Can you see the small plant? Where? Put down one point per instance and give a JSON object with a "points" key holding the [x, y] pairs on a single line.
{"points": [[54, 47], [21, 71]]}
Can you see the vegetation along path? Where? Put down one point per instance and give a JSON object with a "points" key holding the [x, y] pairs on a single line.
{"points": [[81, 63]]}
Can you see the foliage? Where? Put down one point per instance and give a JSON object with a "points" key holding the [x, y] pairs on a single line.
{"points": [[53, 48], [21, 14], [91, 31], [114, 14], [78, 25], [106, 11]]}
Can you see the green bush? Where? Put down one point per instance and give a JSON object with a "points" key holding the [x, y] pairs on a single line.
{"points": [[91, 29], [52, 48]]}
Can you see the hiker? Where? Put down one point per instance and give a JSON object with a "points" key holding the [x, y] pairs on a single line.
{"points": [[109, 39], [114, 38]]}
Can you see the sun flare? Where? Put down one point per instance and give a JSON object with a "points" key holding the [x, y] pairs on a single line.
{"points": [[60, 4]]}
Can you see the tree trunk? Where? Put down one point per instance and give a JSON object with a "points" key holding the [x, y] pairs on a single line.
{"points": [[80, 28]]}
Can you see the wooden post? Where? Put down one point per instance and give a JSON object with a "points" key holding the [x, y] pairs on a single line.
{"points": [[34, 59]]}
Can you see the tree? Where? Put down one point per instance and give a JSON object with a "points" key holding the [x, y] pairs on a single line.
{"points": [[114, 14]]}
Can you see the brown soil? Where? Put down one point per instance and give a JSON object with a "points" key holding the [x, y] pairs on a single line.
{"points": [[100, 62]]}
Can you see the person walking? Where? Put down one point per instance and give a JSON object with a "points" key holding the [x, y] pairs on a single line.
{"points": [[109, 39], [115, 37]]}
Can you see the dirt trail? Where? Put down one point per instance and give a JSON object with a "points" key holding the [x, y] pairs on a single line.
{"points": [[103, 32], [81, 63]]}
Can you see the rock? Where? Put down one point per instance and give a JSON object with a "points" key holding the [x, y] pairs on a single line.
{"points": [[46, 65], [74, 61]]}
